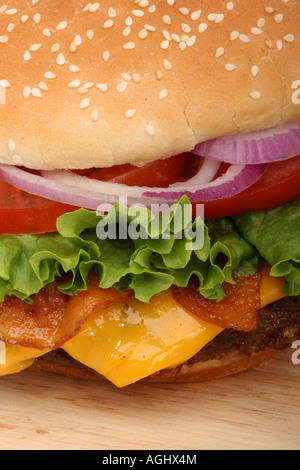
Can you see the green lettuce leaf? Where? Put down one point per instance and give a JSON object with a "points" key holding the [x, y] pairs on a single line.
{"points": [[276, 236], [162, 250]]}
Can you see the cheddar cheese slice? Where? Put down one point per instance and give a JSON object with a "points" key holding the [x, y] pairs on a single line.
{"points": [[128, 343]]}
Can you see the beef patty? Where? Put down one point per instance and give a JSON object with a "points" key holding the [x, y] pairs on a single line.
{"points": [[278, 327]]}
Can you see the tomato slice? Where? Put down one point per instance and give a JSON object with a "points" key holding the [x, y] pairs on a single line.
{"points": [[279, 184], [160, 173], [21, 212]]}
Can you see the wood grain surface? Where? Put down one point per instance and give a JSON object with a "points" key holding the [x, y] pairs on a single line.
{"points": [[259, 409]]}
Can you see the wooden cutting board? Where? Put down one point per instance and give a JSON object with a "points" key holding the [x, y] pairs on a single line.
{"points": [[259, 409]]}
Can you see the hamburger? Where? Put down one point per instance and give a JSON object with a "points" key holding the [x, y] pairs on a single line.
{"points": [[150, 187]]}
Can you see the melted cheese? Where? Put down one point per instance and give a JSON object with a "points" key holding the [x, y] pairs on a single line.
{"points": [[14, 359], [128, 343], [272, 288]]}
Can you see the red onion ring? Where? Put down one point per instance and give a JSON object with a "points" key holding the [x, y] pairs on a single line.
{"points": [[69, 188], [40, 186], [270, 145], [234, 181]]}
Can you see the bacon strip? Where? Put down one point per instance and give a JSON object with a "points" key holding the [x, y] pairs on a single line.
{"points": [[53, 318], [239, 310]]}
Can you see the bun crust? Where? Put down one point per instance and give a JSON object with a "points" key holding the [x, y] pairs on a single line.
{"points": [[96, 84], [227, 364]]}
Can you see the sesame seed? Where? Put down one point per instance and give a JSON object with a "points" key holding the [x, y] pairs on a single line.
{"points": [[143, 33], [163, 94], [74, 84], [138, 13], [74, 68], [103, 87], [279, 45], [49, 75], [37, 18], [85, 103], [90, 34], [129, 46], [73, 47], [94, 7], [255, 95], [46, 32], [150, 130], [43, 86], [26, 92], [167, 64], [230, 67], [289, 38], [184, 11], [106, 56], [130, 113], [127, 31], [166, 19], [11, 146], [36, 93], [136, 77], [269, 44], [82, 90], [11, 12], [219, 52], [112, 13], [278, 18], [234, 35], [62, 25], [108, 24], [60, 60], [149, 27], [122, 86], [165, 44], [256, 31], [191, 41], [202, 27], [244, 38], [196, 15], [35, 47], [78, 40], [126, 76], [55, 48], [27, 56], [94, 116], [18, 160]]}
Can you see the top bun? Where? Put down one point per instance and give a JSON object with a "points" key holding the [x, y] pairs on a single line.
{"points": [[96, 84]]}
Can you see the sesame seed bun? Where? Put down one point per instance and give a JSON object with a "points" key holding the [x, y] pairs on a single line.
{"points": [[97, 84]]}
